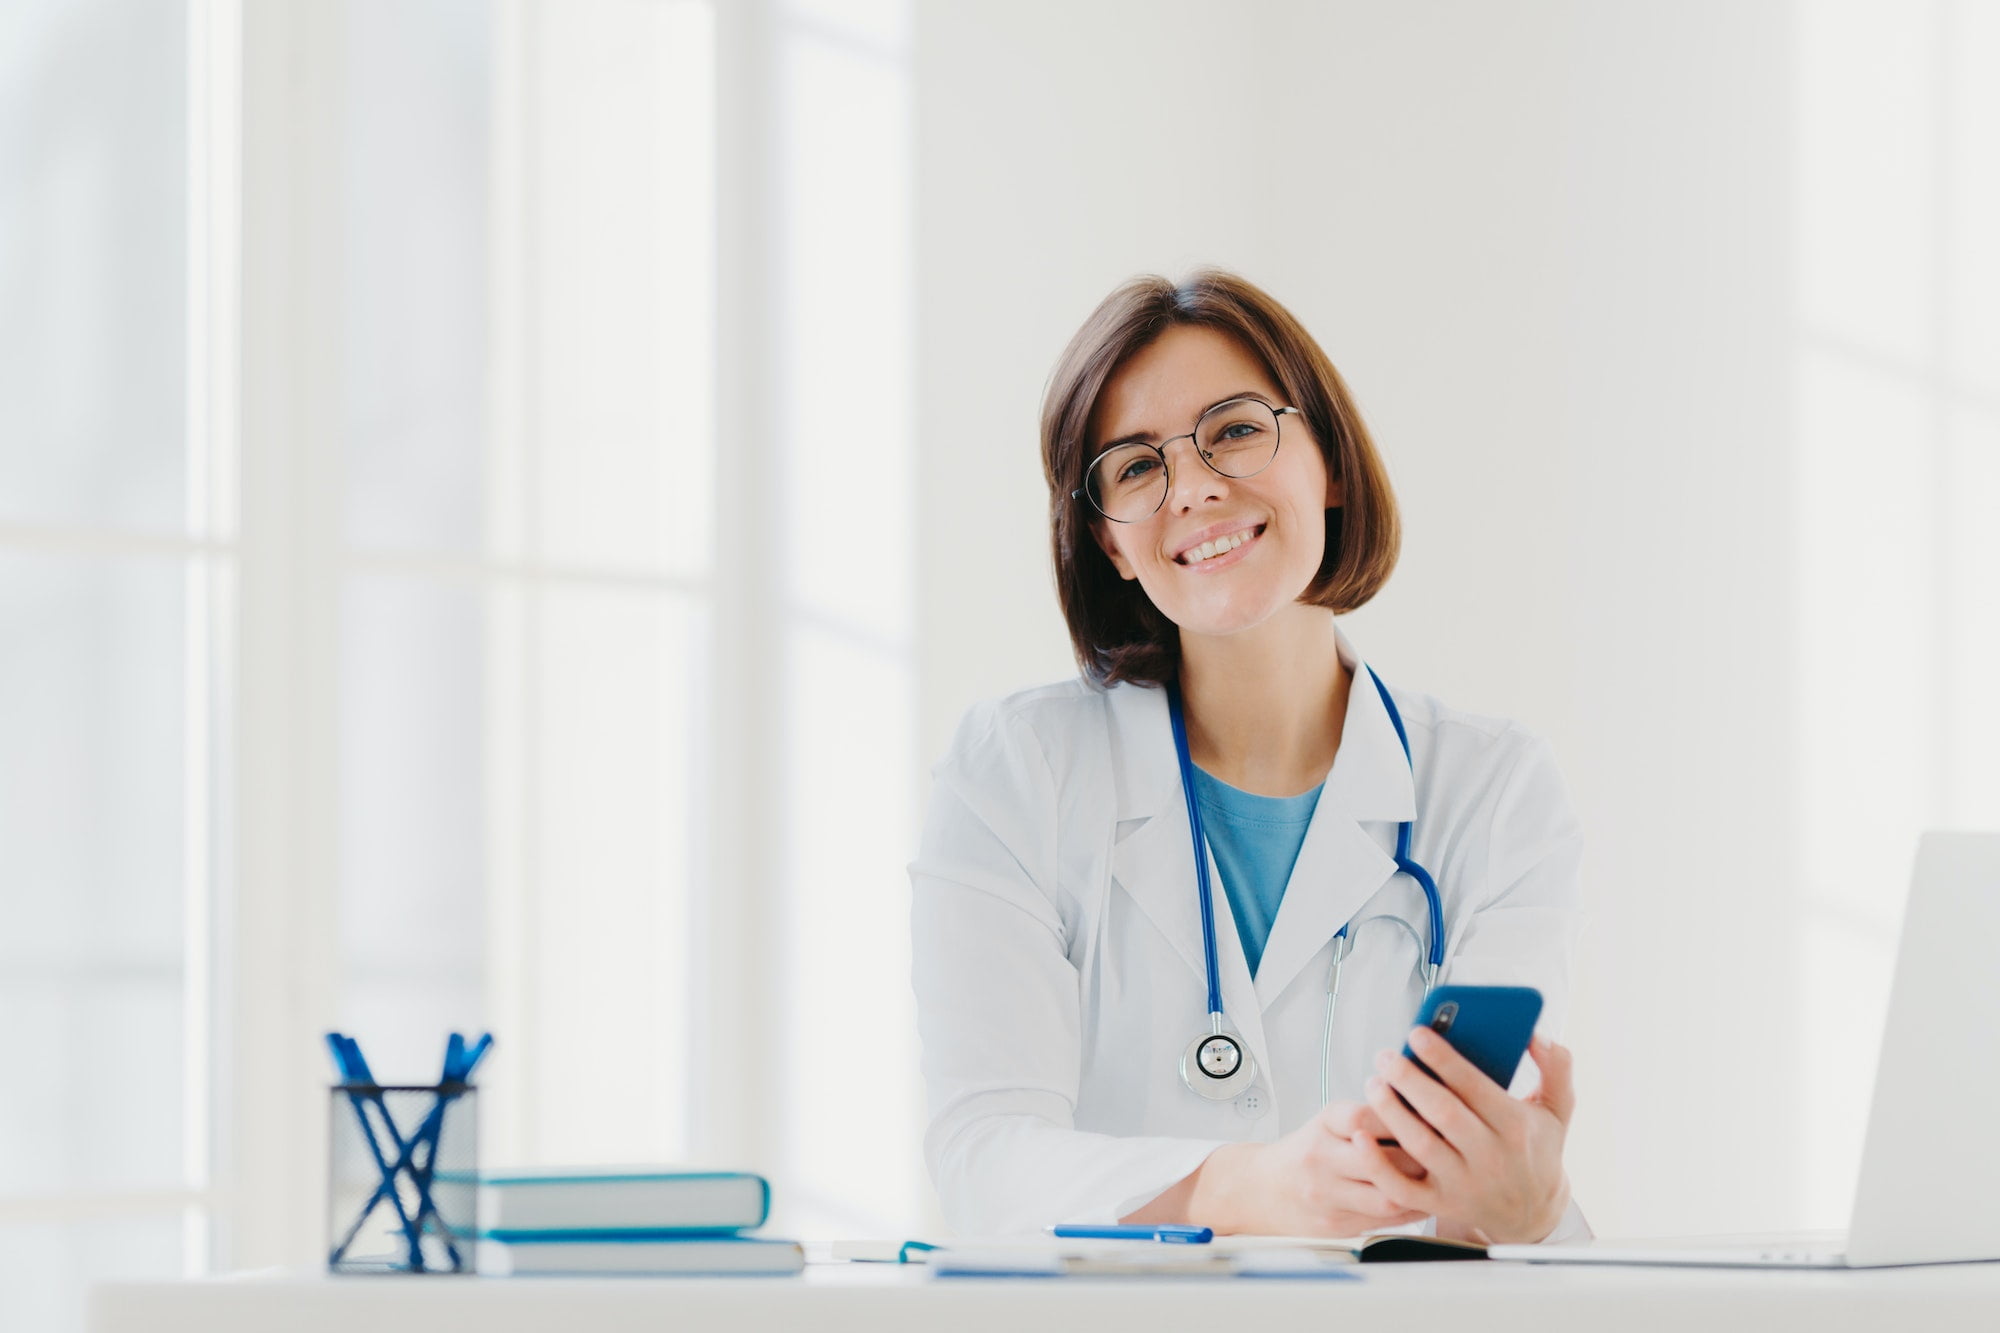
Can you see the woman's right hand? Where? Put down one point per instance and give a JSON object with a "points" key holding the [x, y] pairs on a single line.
{"points": [[1311, 1182]]}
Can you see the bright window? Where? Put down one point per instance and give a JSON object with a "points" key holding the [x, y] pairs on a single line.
{"points": [[396, 629]]}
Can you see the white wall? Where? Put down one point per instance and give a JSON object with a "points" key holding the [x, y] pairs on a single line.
{"points": [[1556, 250], [1556, 273]]}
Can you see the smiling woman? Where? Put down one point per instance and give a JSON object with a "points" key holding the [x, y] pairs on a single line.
{"points": [[1215, 502]]}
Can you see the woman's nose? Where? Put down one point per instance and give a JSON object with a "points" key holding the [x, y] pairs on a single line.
{"points": [[1190, 481]]}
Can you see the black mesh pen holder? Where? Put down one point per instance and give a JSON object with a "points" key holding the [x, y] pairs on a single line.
{"points": [[403, 1178]]}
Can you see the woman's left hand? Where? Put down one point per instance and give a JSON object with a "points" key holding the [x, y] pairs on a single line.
{"points": [[1493, 1163]]}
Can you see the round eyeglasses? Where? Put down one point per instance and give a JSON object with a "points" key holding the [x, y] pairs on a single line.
{"points": [[1128, 482]]}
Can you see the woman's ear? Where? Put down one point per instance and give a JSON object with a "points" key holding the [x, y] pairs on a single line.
{"points": [[1336, 491], [1100, 532]]}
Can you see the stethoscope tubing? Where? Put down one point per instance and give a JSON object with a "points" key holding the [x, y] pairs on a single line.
{"points": [[1342, 940], [1404, 832], [1214, 969]]}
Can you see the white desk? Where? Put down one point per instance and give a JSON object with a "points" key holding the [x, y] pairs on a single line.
{"points": [[871, 1298]]}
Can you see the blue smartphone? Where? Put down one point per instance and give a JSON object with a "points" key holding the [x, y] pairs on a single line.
{"points": [[1488, 1025]]}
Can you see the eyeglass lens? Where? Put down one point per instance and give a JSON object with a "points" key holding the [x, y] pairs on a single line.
{"points": [[1237, 438]]}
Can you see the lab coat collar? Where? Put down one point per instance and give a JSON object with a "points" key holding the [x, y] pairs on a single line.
{"points": [[1341, 863], [1371, 778]]}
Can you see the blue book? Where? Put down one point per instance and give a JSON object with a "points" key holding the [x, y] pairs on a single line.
{"points": [[621, 1205], [574, 1253]]}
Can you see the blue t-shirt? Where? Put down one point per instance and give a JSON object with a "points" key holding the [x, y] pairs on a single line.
{"points": [[1255, 839]]}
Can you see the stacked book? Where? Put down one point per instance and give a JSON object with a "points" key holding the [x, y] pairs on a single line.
{"points": [[630, 1221]]}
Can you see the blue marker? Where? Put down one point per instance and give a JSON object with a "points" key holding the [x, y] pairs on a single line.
{"points": [[1172, 1235]]}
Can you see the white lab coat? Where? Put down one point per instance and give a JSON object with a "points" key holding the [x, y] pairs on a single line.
{"points": [[1057, 947]]}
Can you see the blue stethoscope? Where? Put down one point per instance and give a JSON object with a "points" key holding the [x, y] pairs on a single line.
{"points": [[1215, 1064]]}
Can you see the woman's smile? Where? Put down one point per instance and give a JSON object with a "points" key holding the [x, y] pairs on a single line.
{"points": [[1219, 552]]}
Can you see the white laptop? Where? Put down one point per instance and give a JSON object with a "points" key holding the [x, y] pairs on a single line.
{"points": [[1930, 1166]]}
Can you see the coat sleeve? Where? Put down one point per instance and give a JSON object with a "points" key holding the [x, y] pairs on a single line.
{"points": [[1522, 930], [999, 1007]]}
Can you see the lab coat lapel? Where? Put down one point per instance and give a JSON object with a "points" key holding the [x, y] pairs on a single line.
{"points": [[1152, 858], [1340, 867], [1154, 864], [1347, 855]]}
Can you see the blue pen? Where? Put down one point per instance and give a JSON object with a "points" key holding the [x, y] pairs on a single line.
{"points": [[1172, 1235], [354, 1070]]}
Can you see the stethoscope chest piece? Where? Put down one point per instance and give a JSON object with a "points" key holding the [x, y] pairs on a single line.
{"points": [[1216, 1065]]}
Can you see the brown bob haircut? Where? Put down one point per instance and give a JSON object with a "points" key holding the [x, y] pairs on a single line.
{"points": [[1117, 632]]}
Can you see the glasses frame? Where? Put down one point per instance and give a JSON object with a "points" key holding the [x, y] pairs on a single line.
{"points": [[1278, 415]]}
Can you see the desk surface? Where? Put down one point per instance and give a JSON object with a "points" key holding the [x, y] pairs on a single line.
{"points": [[881, 1298]]}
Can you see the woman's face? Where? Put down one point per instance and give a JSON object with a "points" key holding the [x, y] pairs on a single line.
{"points": [[1159, 394]]}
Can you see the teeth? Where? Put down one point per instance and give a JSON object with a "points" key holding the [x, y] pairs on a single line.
{"points": [[1220, 546]]}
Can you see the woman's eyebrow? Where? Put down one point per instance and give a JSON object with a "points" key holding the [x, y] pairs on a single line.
{"points": [[1147, 436]]}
